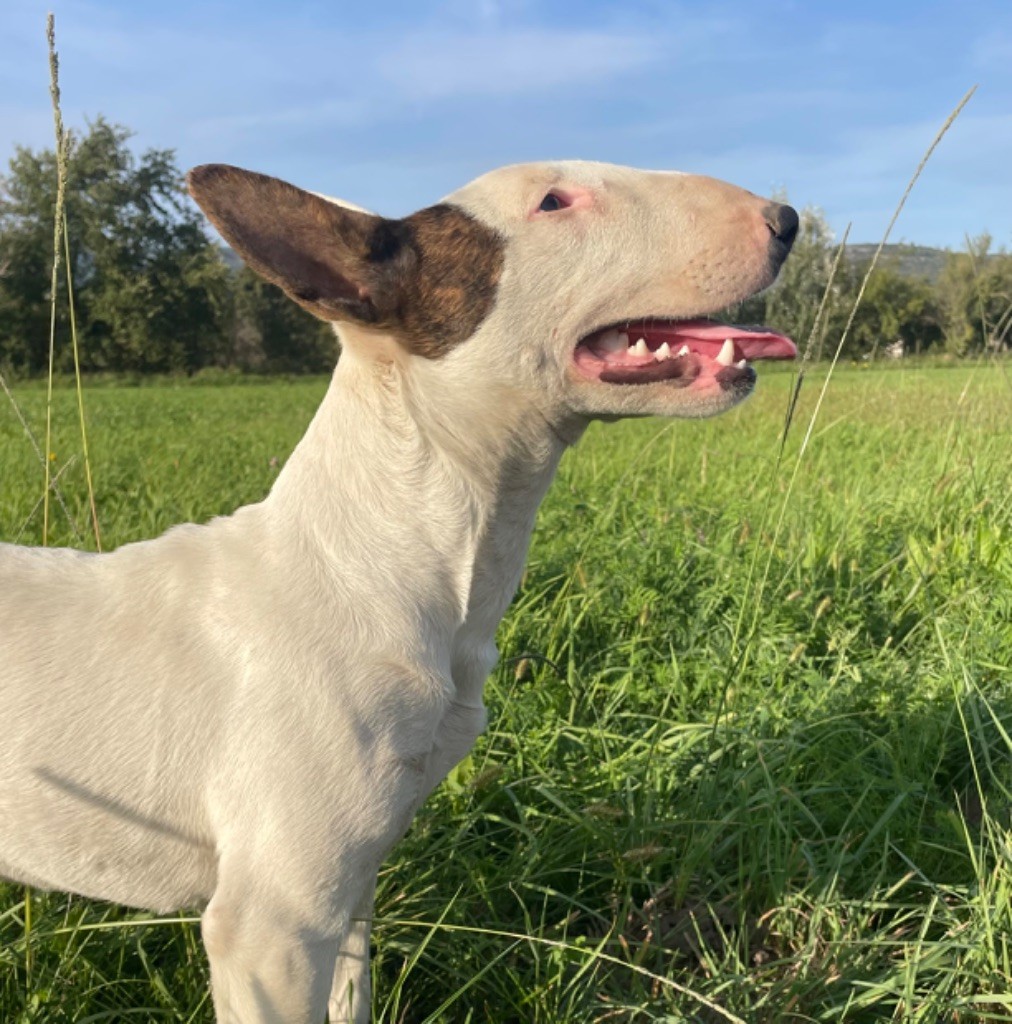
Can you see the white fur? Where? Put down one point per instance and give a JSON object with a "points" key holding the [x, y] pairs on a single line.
{"points": [[246, 715]]}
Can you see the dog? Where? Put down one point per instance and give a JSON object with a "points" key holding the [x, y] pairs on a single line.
{"points": [[244, 716]]}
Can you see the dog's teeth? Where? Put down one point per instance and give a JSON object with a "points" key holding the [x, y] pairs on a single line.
{"points": [[740, 364], [640, 348], [683, 351], [664, 352], [726, 354]]}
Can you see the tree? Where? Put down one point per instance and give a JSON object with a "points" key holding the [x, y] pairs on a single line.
{"points": [[271, 333], [25, 255], [975, 296], [895, 308], [151, 290]]}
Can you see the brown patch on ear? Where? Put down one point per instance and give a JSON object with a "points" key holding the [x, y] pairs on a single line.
{"points": [[460, 263], [340, 264], [430, 279]]}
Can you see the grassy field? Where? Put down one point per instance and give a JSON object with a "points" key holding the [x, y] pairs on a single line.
{"points": [[749, 754]]}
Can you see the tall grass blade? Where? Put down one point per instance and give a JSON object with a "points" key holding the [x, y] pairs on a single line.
{"points": [[37, 448], [806, 356], [58, 220], [79, 389], [845, 333]]}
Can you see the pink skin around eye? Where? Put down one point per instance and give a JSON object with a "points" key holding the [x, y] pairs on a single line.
{"points": [[573, 198]]}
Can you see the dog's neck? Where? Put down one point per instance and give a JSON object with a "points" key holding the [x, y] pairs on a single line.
{"points": [[400, 491]]}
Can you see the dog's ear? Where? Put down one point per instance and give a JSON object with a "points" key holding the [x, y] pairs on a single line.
{"points": [[339, 263]]}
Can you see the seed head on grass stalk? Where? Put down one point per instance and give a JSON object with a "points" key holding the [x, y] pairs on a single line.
{"points": [[61, 186], [60, 236], [59, 224]]}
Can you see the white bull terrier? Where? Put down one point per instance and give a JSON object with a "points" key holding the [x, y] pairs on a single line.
{"points": [[244, 716]]}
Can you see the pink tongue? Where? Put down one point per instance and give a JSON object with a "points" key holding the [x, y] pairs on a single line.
{"points": [[751, 344]]}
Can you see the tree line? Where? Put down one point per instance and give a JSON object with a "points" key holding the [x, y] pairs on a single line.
{"points": [[154, 293], [963, 308]]}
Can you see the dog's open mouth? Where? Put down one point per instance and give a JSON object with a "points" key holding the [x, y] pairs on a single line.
{"points": [[698, 353]]}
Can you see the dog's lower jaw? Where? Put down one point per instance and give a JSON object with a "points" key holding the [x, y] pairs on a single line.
{"points": [[610, 402]]}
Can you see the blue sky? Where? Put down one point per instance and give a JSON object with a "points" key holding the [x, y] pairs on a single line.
{"points": [[393, 105]]}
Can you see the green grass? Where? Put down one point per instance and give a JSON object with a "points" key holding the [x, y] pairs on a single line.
{"points": [[725, 778]]}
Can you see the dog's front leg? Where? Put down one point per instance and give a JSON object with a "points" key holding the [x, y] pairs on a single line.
{"points": [[350, 996], [267, 965], [273, 937], [351, 992], [284, 910]]}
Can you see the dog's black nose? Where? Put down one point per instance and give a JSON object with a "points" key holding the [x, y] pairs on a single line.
{"points": [[782, 220]]}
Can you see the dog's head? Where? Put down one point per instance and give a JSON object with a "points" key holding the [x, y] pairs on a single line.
{"points": [[584, 287]]}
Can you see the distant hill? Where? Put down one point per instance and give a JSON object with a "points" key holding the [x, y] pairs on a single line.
{"points": [[912, 260]]}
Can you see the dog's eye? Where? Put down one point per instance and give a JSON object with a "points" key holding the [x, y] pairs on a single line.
{"points": [[552, 202]]}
